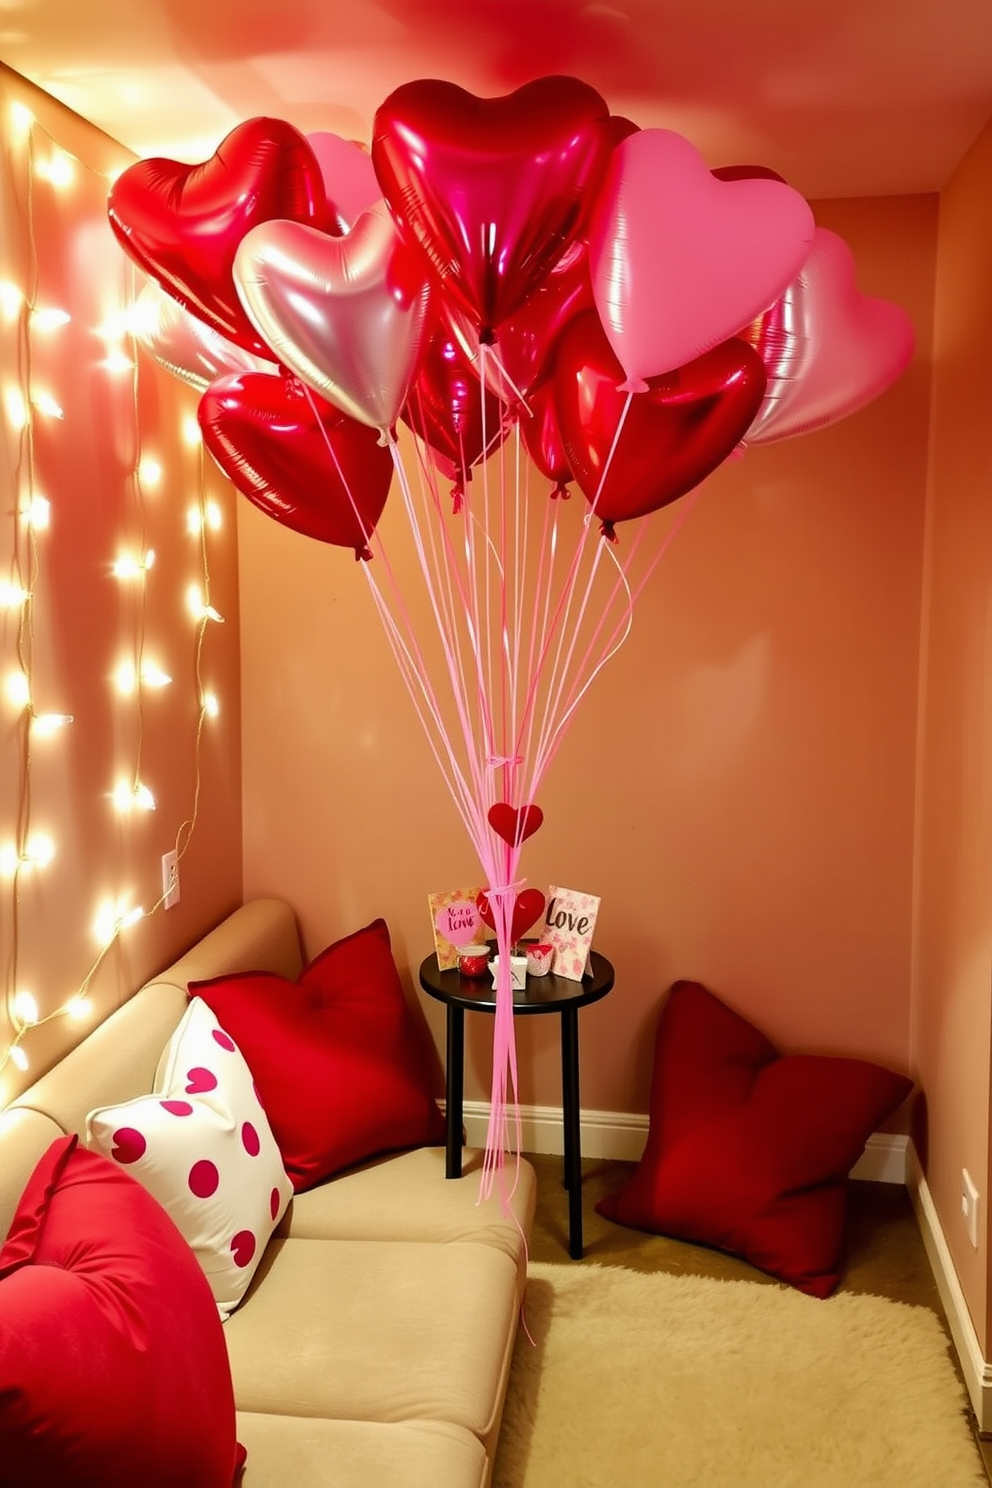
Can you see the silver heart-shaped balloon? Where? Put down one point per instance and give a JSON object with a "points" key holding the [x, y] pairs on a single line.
{"points": [[185, 345], [347, 315]]}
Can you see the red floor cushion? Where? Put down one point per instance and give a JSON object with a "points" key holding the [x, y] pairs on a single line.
{"points": [[113, 1366], [339, 1060], [749, 1150]]}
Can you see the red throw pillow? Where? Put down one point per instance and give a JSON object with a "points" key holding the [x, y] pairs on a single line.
{"points": [[749, 1150], [113, 1365], [339, 1060]]}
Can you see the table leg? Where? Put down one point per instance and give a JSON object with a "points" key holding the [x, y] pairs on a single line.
{"points": [[570, 1119], [454, 1086]]}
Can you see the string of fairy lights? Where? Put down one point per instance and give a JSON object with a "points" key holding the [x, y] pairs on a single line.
{"points": [[38, 161]]}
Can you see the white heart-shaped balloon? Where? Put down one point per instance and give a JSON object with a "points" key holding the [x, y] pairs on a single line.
{"points": [[185, 345], [828, 348], [347, 315]]}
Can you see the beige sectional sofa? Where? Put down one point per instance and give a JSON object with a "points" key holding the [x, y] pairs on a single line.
{"points": [[373, 1345]]}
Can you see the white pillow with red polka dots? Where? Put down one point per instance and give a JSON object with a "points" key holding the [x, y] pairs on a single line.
{"points": [[201, 1144]]}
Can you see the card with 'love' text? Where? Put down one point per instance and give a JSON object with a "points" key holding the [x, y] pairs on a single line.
{"points": [[569, 922], [456, 922]]}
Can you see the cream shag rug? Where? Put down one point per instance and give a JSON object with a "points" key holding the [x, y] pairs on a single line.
{"points": [[660, 1381]]}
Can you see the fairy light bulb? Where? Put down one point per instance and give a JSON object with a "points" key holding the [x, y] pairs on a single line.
{"points": [[21, 118], [18, 689], [190, 430], [137, 797], [12, 596], [125, 678], [150, 472], [39, 850], [58, 169], [25, 1009], [49, 318], [131, 567], [198, 607], [112, 918], [15, 407], [78, 1008], [152, 675], [211, 706], [117, 360], [37, 513], [9, 859], [46, 404], [46, 724], [11, 300], [18, 1057]]}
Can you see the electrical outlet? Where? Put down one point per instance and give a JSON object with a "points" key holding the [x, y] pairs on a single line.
{"points": [[170, 879], [969, 1206]]}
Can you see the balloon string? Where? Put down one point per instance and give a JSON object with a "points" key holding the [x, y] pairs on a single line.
{"points": [[560, 619]]}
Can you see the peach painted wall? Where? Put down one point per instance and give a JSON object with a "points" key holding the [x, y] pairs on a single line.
{"points": [[85, 621], [738, 786], [953, 941]]}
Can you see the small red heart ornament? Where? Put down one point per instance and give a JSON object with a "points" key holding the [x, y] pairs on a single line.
{"points": [[515, 824], [183, 223], [527, 909]]}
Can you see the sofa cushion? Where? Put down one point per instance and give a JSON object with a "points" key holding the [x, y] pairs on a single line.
{"points": [[113, 1368], [407, 1197], [750, 1150], [339, 1059], [202, 1145], [311, 1453], [377, 1331]]}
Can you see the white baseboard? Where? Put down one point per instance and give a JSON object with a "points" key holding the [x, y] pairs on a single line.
{"points": [[975, 1368], [622, 1135]]}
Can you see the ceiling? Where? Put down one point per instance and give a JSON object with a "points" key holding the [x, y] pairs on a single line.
{"points": [[841, 97]]}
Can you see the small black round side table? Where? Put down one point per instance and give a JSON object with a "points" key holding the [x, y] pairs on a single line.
{"points": [[546, 994]]}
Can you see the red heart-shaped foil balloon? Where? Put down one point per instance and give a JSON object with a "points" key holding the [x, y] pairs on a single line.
{"points": [[448, 408], [183, 223], [529, 338], [542, 437], [494, 189], [317, 472], [514, 824], [674, 434], [527, 909]]}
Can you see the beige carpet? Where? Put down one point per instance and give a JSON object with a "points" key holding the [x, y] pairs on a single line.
{"points": [[663, 1381]]}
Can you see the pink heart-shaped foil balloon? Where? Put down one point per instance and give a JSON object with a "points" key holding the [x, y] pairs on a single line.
{"points": [[349, 179], [183, 223], [347, 315], [185, 345], [459, 923], [493, 189], [681, 260], [828, 349], [302, 462]]}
